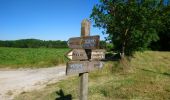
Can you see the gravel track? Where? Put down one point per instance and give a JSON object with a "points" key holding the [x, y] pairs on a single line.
{"points": [[14, 82]]}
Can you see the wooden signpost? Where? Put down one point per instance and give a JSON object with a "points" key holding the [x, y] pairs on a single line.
{"points": [[85, 57]]}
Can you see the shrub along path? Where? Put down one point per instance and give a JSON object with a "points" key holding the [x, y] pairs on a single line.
{"points": [[13, 82]]}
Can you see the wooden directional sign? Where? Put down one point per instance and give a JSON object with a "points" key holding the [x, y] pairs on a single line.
{"points": [[75, 43], [88, 42], [94, 65], [77, 54], [76, 67], [98, 54]]}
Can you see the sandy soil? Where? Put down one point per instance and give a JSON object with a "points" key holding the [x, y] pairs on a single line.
{"points": [[14, 82]]}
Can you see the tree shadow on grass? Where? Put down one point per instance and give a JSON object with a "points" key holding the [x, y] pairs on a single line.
{"points": [[62, 96], [112, 57], [165, 73]]}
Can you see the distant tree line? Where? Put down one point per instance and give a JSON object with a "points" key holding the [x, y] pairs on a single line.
{"points": [[36, 43], [33, 43]]}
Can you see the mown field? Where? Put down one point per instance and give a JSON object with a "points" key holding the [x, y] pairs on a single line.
{"points": [[148, 78], [31, 57]]}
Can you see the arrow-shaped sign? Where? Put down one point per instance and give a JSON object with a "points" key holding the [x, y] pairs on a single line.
{"points": [[77, 54], [98, 54]]}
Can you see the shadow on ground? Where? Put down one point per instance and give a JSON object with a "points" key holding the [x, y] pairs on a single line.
{"points": [[165, 73], [112, 57], [62, 96]]}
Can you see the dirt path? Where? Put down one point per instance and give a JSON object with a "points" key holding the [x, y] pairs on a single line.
{"points": [[13, 82]]}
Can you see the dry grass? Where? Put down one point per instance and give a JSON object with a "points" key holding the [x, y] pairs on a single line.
{"points": [[149, 80]]}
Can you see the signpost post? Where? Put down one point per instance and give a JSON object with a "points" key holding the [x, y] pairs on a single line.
{"points": [[85, 57], [85, 31]]}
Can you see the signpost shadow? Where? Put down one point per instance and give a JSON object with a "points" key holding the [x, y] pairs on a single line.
{"points": [[62, 96]]}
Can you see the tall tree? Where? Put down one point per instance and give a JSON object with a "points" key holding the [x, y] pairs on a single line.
{"points": [[163, 43], [131, 25]]}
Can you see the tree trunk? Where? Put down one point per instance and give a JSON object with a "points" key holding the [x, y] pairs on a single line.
{"points": [[124, 44], [123, 51]]}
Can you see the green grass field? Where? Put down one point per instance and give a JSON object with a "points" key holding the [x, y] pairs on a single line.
{"points": [[31, 57], [148, 79]]}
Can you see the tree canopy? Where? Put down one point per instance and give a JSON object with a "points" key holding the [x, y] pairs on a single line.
{"points": [[131, 25]]}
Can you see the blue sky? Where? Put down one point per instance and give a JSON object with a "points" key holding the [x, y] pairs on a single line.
{"points": [[44, 19]]}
